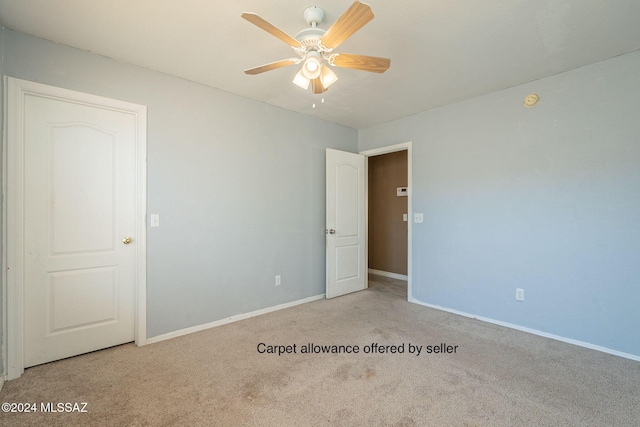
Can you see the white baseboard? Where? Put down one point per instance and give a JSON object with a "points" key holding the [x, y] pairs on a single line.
{"points": [[231, 319], [388, 274], [532, 331]]}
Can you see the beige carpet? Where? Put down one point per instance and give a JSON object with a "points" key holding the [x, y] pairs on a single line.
{"points": [[496, 377]]}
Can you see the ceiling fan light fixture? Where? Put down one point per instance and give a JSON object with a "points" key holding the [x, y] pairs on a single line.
{"points": [[311, 68], [312, 65], [327, 77], [301, 80]]}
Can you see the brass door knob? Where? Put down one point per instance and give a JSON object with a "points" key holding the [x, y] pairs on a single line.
{"points": [[127, 240]]}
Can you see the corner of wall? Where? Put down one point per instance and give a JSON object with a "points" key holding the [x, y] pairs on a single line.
{"points": [[2, 205]]}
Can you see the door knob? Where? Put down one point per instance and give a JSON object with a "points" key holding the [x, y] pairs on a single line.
{"points": [[127, 240], [331, 231]]}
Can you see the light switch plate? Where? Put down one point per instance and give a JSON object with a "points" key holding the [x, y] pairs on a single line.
{"points": [[405, 217], [417, 218], [154, 220]]}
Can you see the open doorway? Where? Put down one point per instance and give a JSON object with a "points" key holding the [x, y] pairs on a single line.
{"points": [[389, 214]]}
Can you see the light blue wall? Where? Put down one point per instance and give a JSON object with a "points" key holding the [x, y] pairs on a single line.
{"points": [[546, 199], [238, 184]]}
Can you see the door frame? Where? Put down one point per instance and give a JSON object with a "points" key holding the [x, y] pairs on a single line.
{"points": [[405, 146], [13, 211]]}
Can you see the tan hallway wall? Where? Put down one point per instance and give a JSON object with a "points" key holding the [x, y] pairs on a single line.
{"points": [[387, 230]]}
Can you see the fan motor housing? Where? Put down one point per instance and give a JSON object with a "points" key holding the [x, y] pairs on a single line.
{"points": [[310, 35]]}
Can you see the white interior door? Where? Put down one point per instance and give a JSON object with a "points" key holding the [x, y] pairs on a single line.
{"points": [[79, 211], [346, 230]]}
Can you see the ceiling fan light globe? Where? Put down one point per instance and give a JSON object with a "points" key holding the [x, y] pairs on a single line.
{"points": [[301, 80], [327, 77], [311, 68]]}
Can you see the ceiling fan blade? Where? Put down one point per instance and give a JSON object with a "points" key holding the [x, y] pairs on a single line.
{"points": [[269, 28], [316, 86], [351, 21], [271, 66], [362, 62]]}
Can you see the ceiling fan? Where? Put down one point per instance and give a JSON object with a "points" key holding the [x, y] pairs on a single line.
{"points": [[315, 47]]}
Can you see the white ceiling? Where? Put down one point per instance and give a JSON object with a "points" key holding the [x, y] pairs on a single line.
{"points": [[441, 51]]}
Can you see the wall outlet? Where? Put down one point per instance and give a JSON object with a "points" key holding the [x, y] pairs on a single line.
{"points": [[278, 280], [418, 218], [520, 294]]}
